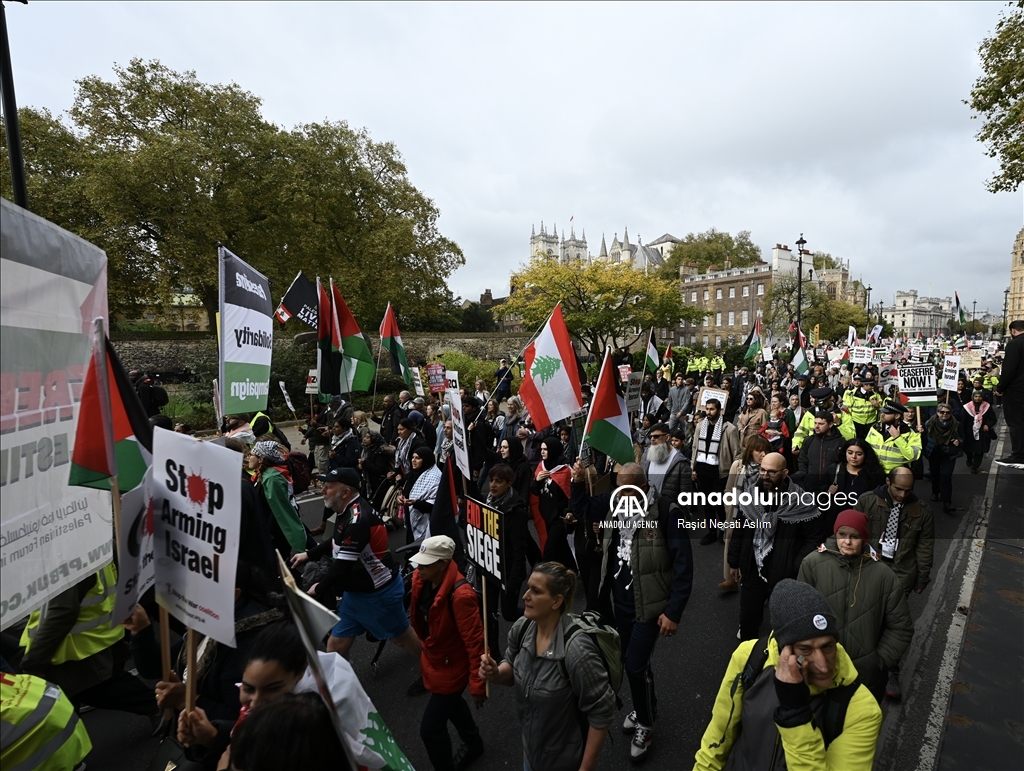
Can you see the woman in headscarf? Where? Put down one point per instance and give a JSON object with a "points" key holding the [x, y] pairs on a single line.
{"points": [[549, 500], [979, 420], [419, 490], [944, 443], [274, 481]]}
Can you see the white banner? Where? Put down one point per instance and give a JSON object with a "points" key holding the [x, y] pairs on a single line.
{"points": [[458, 424], [766, 353], [52, 285], [860, 355], [246, 335], [417, 381], [636, 381], [950, 372], [197, 505], [136, 569]]}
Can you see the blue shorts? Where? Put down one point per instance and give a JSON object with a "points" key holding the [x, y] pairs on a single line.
{"points": [[381, 613]]}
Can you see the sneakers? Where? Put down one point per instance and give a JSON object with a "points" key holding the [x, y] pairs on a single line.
{"points": [[1016, 461], [466, 754], [629, 724], [641, 743], [892, 688], [728, 586]]}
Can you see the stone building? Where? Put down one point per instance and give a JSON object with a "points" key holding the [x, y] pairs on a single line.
{"points": [[730, 296], [1015, 300], [912, 314]]}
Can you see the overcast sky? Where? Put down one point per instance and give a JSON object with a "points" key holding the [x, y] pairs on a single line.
{"points": [[843, 122]]}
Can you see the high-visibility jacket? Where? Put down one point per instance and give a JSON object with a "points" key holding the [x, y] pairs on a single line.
{"points": [[41, 730], [717, 364], [842, 422], [863, 406], [94, 630], [990, 382], [901, 451]]}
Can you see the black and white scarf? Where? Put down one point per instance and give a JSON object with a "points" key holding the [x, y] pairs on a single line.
{"points": [[890, 538], [707, 449]]}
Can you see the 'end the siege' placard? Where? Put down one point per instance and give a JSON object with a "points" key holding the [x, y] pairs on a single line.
{"points": [[197, 505], [484, 539]]}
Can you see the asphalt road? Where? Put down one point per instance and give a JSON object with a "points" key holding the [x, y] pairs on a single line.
{"points": [[688, 669]]}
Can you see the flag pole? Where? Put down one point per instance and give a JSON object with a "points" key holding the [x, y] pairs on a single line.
{"points": [[376, 370]]}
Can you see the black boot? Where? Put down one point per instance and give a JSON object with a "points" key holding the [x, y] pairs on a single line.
{"points": [[710, 537]]}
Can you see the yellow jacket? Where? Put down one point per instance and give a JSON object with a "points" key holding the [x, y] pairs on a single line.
{"points": [[892, 452], [803, 745]]}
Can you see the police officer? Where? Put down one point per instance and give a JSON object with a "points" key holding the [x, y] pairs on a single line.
{"points": [[864, 404], [894, 442], [41, 730], [822, 399]]}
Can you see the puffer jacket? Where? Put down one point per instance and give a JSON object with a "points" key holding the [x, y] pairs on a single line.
{"points": [[875, 626], [916, 548], [818, 453], [549, 703], [453, 639], [676, 479]]}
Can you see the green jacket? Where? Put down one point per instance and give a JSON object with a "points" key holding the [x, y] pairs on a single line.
{"points": [[915, 549], [281, 501], [803, 745], [875, 626]]}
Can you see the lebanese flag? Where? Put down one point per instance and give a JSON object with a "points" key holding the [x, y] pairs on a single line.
{"points": [[113, 437], [551, 382], [391, 340], [327, 348], [357, 368], [607, 426]]}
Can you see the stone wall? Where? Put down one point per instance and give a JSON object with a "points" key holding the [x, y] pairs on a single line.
{"points": [[179, 358]]}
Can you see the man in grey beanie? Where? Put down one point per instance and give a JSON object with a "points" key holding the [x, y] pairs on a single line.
{"points": [[794, 695]]}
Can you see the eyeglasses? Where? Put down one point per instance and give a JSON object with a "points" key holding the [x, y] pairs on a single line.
{"points": [[658, 436]]}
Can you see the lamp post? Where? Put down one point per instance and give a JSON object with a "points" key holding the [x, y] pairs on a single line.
{"points": [[799, 282], [867, 298], [974, 310], [1006, 311]]}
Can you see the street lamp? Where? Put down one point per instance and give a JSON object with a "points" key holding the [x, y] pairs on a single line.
{"points": [[867, 298], [799, 282], [1006, 310], [974, 310]]}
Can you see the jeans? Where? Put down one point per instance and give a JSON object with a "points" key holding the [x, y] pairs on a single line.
{"points": [[941, 469], [638, 640], [440, 710]]}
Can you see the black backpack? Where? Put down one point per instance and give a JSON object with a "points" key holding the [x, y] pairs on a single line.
{"points": [[298, 465], [837, 700]]}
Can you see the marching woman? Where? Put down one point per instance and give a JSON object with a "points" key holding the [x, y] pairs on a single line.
{"points": [[274, 481], [979, 420], [419, 490], [549, 500], [944, 443]]}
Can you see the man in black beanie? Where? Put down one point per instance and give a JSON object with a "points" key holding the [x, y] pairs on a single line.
{"points": [[794, 695]]}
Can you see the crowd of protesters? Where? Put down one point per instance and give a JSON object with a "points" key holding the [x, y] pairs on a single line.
{"points": [[834, 571]]}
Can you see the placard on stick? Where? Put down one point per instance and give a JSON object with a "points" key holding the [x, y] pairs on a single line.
{"points": [[917, 383], [484, 539]]}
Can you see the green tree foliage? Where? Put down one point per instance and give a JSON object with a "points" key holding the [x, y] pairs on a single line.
{"points": [[603, 304], [834, 316], [158, 167], [824, 261], [477, 319], [998, 98], [712, 247]]}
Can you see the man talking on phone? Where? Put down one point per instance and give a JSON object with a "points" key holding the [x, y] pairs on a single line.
{"points": [[794, 696]]}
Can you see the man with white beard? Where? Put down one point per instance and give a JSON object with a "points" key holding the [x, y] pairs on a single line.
{"points": [[667, 469]]}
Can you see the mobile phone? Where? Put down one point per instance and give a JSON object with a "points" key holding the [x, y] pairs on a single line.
{"points": [[800, 661]]}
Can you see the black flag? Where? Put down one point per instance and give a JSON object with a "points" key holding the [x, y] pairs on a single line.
{"points": [[299, 301]]}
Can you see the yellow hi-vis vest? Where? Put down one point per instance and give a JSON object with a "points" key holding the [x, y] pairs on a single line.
{"points": [[94, 630], [864, 411], [41, 730], [901, 451]]}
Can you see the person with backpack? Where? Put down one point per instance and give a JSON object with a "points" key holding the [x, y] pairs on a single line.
{"points": [[563, 678], [446, 617], [793, 696], [273, 480], [648, 568]]}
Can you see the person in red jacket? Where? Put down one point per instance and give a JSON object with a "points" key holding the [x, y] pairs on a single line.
{"points": [[445, 615]]}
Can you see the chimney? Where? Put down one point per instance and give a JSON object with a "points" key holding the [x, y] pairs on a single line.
{"points": [[728, 263]]}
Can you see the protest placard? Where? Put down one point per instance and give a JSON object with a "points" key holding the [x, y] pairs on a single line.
{"points": [[861, 355], [136, 568], [950, 372], [313, 383], [633, 386], [417, 381], [246, 335], [484, 544], [766, 353], [624, 370], [887, 378], [712, 393], [970, 360], [287, 398], [917, 383], [458, 423], [435, 378], [196, 510]]}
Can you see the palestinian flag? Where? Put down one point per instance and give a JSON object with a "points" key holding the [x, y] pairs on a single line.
{"points": [[851, 337], [114, 437], [328, 347], [753, 341], [668, 353], [959, 310], [652, 353], [391, 340], [357, 370], [607, 426], [551, 381], [799, 360]]}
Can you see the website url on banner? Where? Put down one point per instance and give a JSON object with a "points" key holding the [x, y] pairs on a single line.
{"points": [[242, 389], [42, 582]]}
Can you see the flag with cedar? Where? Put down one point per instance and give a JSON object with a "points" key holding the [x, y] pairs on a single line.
{"points": [[357, 370], [113, 437], [652, 353], [328, 346], [551, 380], [607, 427], [391, 340]]}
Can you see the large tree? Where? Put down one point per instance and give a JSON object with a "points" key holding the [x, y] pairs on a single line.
{"points": [[603, 304], [834, 316], [712, 247], [160, 167], [998, 98]]}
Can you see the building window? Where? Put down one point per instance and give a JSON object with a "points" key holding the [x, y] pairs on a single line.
{"points": [[693, 339], [903, 323], [746, 291], [718, 319], [693, 297], [705, 341], [732, 293], [718, 294], [732, 318], [746, 318], [904, 303], [760, 289], [718, 341], [706, 295]]}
